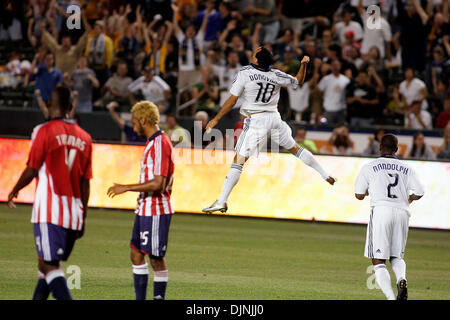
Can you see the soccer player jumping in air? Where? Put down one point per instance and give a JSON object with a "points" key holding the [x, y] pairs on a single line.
{"points": [[389, 182], [259, 87], [61, 160], [154, 209]]}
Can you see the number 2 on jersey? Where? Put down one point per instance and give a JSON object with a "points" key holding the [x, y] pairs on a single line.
{"points": [[267, 90], [391, 185]]}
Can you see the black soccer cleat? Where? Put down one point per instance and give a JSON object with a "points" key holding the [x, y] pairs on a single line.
{"points": [[402, 290]]}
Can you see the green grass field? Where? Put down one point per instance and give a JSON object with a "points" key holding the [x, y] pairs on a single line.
{"points": [[212, 257]]}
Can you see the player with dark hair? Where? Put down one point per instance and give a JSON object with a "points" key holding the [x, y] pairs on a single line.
{"points": [[60, 159], [259, 85], [154, 209], [389, 182]]}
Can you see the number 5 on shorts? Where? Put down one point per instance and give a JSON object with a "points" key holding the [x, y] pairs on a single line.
{"points": [[144, 237]]}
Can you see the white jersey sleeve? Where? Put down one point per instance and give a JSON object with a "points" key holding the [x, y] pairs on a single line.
{"points": [[414, 184], [237, 87], [361, 184], [286, 80]]}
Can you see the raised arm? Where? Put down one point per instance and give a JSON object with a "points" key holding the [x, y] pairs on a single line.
{"points": [[423, 15], [302, 71], [175, 18], [41, 104], [74, 104]]}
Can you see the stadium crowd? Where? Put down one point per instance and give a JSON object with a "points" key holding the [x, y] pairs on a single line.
{"points": [[386, 65]]}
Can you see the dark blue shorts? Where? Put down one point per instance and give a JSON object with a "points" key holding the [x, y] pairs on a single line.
{"points": [[53, 243], [151, 234]]}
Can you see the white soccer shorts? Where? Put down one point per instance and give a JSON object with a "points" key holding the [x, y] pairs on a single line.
{"points": [[387, 232], [257, 128]]}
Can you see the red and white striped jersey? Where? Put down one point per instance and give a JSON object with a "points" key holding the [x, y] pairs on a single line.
{"points": [[156, 161], [62, 153]]}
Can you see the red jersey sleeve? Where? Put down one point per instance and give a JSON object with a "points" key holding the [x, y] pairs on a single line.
{"points": [[37, 153], [163, 154]]}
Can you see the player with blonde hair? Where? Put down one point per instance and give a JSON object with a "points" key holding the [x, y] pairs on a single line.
{"points": [[154, 209]]}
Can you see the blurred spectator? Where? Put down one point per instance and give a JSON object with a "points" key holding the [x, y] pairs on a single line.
{"points": [[10, 20], [226, 75], [213, 24], [340, 141], [380, 37], [236, 44], [444, 149], [198, 130], [444, 117], [100, 52], [416, 118], [300, 138], [265, 13], [190, 51], [15, 71], [438, 67], [347, 24], [178, 135], [116, 88], [83, 81], [362, 101], [152, 88], [413, 89], [290, 65], [206, 94], [66, 54], [37, 14], [128, 46], [157, 48], [130, 135], [333, 87], [413, 22], [349, 45], [373, 148], [419, 149], [47, 77]]}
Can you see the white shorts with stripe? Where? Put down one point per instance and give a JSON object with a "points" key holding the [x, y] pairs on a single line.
{"points": [[258, 127], [387, 232]]}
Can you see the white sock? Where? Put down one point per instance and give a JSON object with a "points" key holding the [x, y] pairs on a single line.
{"points": [[308, 158], [140, 269], [230, 181], [384, 280], [399, 268]]}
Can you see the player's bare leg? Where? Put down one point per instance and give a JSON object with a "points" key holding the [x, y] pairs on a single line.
{"points": [[161, 277], [51, 278], [140, 274], [230, 181], [399, 268], [383, 278], [307, 157]]}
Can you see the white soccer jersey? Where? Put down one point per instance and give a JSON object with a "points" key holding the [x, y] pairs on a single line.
{"points": [[389, 182], [260, 90]]}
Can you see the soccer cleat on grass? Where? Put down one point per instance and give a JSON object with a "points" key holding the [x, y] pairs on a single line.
{"points": [[402, 290], [216, 206]]}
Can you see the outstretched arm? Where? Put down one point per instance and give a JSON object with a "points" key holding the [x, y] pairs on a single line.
{"points": [[154, 185], [27, 176], [227, 106]]}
